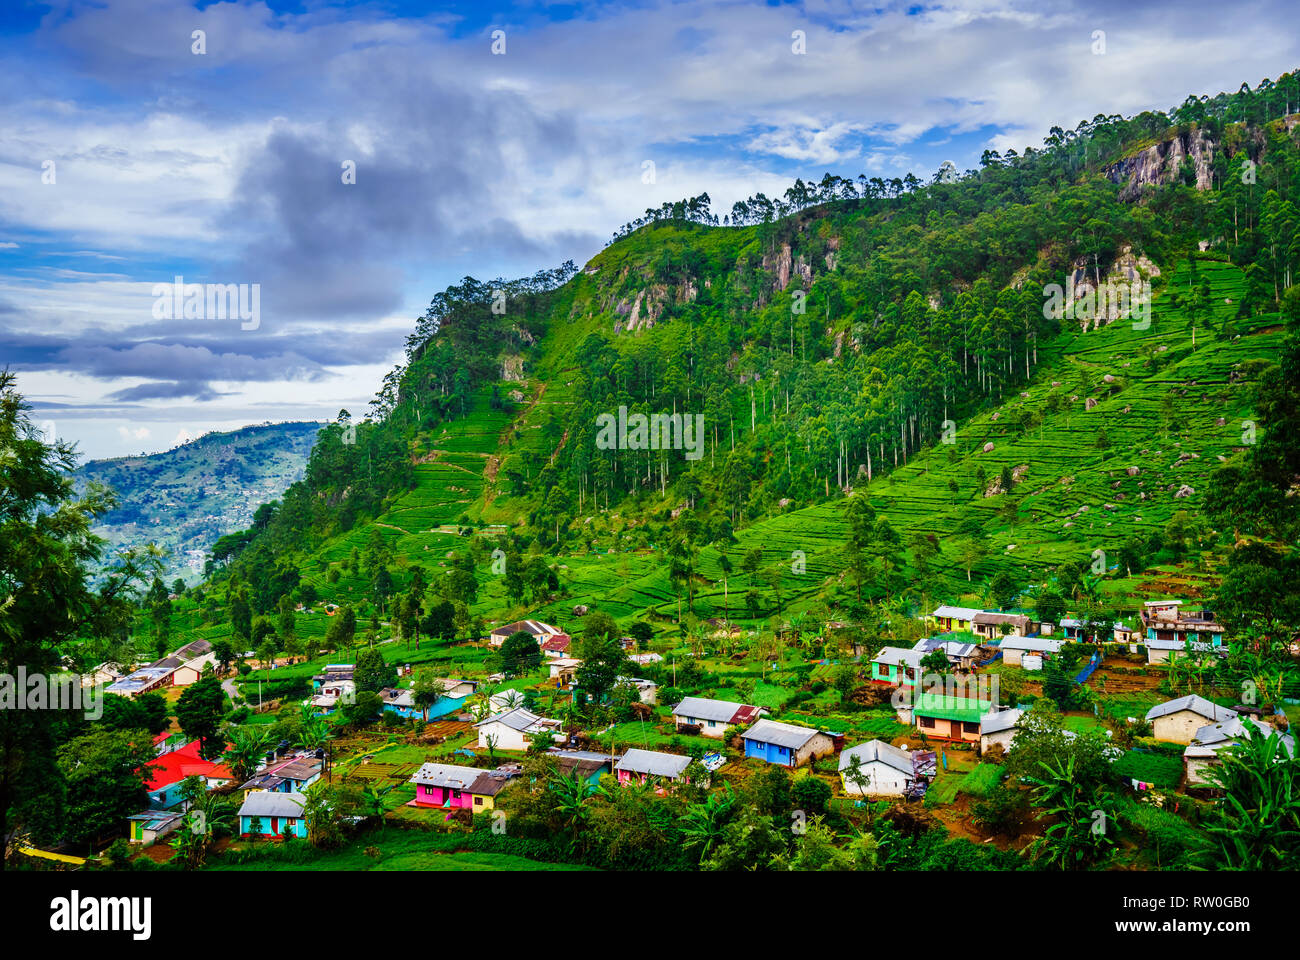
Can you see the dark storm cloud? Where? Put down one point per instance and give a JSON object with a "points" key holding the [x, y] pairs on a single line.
{"points": [[163, 390]]}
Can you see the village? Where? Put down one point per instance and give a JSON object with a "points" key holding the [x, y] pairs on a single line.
{"points": [[931, 728]]}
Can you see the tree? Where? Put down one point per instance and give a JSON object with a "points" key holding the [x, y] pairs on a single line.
{"points": [[105, 772], [241, 617], [1050, 606], [602, 663], [702, 824], [810, 794], [198, 710], [48, 605], [520, 653], [1256, 823], [248, 748], [372, 672], [342, 629], [971, 552], [1083, 832]]}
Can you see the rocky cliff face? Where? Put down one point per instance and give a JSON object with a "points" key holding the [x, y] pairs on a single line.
{"points": [[1160, 164]]}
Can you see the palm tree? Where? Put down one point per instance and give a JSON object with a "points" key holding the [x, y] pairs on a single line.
{"points": [[371, 804], [701, 825], [571, 793], [1258, 817], [248, 746], [1082, 833], [314, 734]]}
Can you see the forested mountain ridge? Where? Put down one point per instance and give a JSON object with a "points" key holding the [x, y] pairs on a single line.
{"points": [[833, 339], [185, 498]]}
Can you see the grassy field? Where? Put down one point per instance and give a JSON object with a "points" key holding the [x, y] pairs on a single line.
{"points": [[397, 850]]}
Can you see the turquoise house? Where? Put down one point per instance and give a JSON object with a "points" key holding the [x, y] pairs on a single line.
{"points": [[273, 816]]}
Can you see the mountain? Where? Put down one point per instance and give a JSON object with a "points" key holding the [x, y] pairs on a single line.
{"points": [[185, 498], [929, 348]]}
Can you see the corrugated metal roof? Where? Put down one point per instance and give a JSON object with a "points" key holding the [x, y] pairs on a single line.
{"points": [[653, 762], [782, 734], [264, 803], [874, 750], [700, 708], [995, 721], [1211, 711], [446, 775], [960, 613]]}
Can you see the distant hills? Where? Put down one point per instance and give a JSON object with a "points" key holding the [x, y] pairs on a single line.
{"points": [[185, 498]]}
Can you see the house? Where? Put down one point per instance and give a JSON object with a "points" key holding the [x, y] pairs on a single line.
{"points": [[563, 671], [331, 692], [191, 671], [1203, 752], [1072, 629], [885, 770], [110, 671], [587, 765], [144, 680], [785, 744], [643, 658], [557, 646], [642, 765], [1161, 651], [647, 690], [152, 825], [990, 625], [514, 729], [944, 717], [332, 675], [451, 787], [168, 771], [960, 653], [1163, 621], [713, 717], [952, 619], [999, 726], [1016, 648], [896, 666], [292, 775], [458, 689], [273, 815], [539, 631], [1178, 721]]}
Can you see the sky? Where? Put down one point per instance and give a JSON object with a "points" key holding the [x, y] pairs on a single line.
{"points": [[346, 161]]}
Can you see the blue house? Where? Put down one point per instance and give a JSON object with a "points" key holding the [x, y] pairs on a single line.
{"points": [[402, 702], [785, 744]]}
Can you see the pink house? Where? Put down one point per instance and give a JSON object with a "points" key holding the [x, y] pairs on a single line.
{"points": [[451, 788], [444, 785], [642, 765]]}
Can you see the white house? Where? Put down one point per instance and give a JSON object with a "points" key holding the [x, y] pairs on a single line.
{"points": [[539, 631], [999, 726], [1014, 648], [514, 729], [1203, 752], [887, 770], [1178, 721], [647, 690], [713, 716]]}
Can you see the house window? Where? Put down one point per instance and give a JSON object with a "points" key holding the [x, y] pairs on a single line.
{"points": [[478, 801], [926, 722]]}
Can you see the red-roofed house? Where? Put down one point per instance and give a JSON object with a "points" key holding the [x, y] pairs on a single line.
{"points": [[557, 646], [168, 771]]}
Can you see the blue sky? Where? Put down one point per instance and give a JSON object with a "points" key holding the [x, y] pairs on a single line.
{"points": [[224, 166]]}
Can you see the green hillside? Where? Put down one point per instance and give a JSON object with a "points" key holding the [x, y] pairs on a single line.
{"points": [[185, 498], [894, 346]]}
